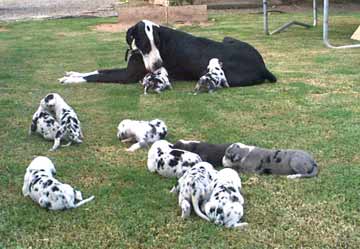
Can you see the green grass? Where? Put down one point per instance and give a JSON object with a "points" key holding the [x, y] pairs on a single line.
{"points": [[314, 107]]}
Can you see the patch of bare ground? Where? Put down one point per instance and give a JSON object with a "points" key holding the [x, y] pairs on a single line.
{"points": [[112, 27], [3, 29]]}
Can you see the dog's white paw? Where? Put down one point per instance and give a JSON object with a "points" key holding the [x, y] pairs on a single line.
{"points": [[71, 80], [295, 176]]}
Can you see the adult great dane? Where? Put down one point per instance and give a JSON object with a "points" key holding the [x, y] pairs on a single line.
{"points": [[183, 55]]}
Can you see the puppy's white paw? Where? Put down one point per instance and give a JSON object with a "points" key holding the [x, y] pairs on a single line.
{"points": [[295, 176]]}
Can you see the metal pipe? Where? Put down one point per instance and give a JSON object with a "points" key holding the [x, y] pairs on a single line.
{"points": [[326, 29]]}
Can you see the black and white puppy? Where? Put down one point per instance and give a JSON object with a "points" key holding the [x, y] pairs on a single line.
{"points": [[194, 188], [44, 124], [144, 133], [294, 163], [225, 206], [157, 81], [48, 192], [169, 162], [69, 129], [213, 79], [211, 153]]}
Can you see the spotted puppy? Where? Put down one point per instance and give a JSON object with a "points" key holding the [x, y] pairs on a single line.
{"points": [[194, 188], [293, 163], [44, 124], [43, 188], [69, 129], [213, 79], [157, 81], [169, 162], [143, 133], [211, 153], [225, 206]]}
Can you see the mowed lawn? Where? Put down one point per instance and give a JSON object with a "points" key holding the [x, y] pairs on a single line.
{"points": [[315, 106]]}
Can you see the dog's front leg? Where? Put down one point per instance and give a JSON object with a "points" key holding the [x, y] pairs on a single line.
{"points": [[134, 147], [59, 134]]}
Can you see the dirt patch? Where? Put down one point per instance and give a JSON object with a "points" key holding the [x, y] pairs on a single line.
{"points": [[3, 29], [112, 27]]}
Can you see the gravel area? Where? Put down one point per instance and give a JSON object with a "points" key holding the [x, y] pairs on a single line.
{"points": [[12, 10]]}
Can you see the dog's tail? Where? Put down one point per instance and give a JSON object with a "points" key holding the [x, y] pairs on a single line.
{"points": [[80, 203], [196, 206], [269, 76], [312, 173]]}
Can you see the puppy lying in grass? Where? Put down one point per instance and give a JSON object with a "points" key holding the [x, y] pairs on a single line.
{"points": [[42, 187], [293, 163]]}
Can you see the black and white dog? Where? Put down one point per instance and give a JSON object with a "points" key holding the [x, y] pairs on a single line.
{"points": [[44, 124], [48, 192], [293, 163], [211, 153], [144, 133], [225, 206], [170, 162], [65, 115], [213, 79], [194, 189], [157, 81], [183, 55]]}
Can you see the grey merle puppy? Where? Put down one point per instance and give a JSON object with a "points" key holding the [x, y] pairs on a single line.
{"points": [[157, 81], [293, 163], [64, 114], [48, 192], [170, 162], [213, 79]]}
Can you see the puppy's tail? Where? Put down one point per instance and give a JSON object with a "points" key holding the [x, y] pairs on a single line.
{"points": [[269, 76], [80, 203], [196, 206], [313, 173]]}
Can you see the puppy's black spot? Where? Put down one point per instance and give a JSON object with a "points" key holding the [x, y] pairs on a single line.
{"points": [[58, 134], [267, 171], [173, 162], [231, 189], [47, 194], [75, 120], [176, 153], [36, 189], [212, 210], [55, 188], [159, 152], [47, 205], [160, 164], [278, 160], [47, 183], [234, 198], [49, 97], [219, 211]]}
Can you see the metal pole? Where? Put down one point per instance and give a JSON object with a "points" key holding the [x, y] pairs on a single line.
{"points": [[266, 18], [326, 29], [314, 13]]}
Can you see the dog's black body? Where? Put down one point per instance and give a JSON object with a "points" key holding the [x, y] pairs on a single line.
{"points": [[185, 57], [211, 153]]}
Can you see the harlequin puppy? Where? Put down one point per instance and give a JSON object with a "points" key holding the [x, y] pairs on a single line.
{"points": [[69, 129], [43, 188], [194, 188], [143, 133], [213, 79], [225, 205], [44, 124], [211, 153], [157, 81], [169, 162], [294, 163]]}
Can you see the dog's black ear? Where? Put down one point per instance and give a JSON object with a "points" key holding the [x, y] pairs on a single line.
{"points": [[130, 35], [156, 34]]}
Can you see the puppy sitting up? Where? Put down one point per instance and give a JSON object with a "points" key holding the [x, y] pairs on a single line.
{"points": [[144, 133], [157, 81], [49, 193], [251, 159], [225, 206], [194, 188], [213, 79]]}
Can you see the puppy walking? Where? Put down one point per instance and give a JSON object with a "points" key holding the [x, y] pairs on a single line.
{"points": [[48, 192], [157, 81], [213, 79], [294, 163]]}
